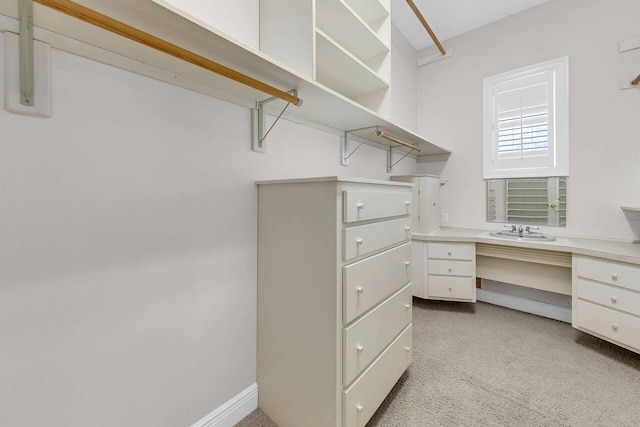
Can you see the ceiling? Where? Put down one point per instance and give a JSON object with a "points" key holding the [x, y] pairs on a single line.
{"points": [[449, 18]]}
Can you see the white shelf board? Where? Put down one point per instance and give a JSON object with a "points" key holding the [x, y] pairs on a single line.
{"points": [[369, 10], [632, 213], [322, 107], [341, 71], [337, 20]]}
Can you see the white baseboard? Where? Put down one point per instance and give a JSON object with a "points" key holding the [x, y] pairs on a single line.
{"points": [[551, 311], [232, 411]]}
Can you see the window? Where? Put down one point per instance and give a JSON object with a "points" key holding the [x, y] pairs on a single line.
{"points": [[526, 122]]}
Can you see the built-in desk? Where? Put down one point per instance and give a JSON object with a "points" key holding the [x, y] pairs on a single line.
{"points": [[602, 276]]}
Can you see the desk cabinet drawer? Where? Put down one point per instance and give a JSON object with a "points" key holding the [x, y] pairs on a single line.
{"points": [[442, 287], [367, 282], [608, 296], [366, 338], [450, 268], [367, 205], [364, 239], [611, 272], [610, 324], [367, 393], [446, 250]]}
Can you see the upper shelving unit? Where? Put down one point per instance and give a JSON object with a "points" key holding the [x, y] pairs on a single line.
{"points": [[322, 106]]}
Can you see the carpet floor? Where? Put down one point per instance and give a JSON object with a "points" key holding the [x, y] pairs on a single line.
{"points": [[485, 365]]}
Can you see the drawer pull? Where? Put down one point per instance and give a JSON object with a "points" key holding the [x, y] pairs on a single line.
{"points": [[359, 241], [407, 229], [360, 205], [408, 203], [450, 288], [359, 407], [449, 269], [360, 289], [360, 348], [449, 253], [614, 299], [407, 348], [614, 326], [407, 263], [614, 276], [407, 306]]}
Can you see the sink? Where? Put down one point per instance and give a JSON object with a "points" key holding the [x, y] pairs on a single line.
{"points": [[528, 237]]}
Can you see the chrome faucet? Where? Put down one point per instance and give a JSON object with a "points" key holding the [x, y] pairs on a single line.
{"points": [[520, 230], [528, 228]]}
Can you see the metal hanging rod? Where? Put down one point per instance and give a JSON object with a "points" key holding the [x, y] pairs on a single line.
{"points": [[426, 26], [388, 137], [99, 20], [636, 81]]}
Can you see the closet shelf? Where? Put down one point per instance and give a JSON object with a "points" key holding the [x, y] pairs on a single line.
{"points": [[341, 71], [338, 21], [322, 106], [371, 11], [632, 213]]}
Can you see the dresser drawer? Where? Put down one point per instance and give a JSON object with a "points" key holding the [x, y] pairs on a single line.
{"points": [[366, 338], [361, 400], [609, 324], [367, 282], [364, 239], [458, 288], [367, 205], [450, 268], [611, 272], [608, 296], [446, 250]]}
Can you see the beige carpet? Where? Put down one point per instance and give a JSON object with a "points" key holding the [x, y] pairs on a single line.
{"points": [[484, 365]]}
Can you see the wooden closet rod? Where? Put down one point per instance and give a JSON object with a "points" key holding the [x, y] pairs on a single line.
{"points": [[426, 26], [124, 30], [636, 80], [381, 134]]}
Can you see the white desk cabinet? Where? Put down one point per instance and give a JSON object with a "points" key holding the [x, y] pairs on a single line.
{"points": [[450, 271], [425, 219], [606, 300], [334, 298]]}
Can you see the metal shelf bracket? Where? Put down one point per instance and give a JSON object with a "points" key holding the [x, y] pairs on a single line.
{"points": [[26, 52], [344, 143], [258, 135], [390, 162]]}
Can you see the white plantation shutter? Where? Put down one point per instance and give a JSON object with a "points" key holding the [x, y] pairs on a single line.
{"points": [[526, 123]]}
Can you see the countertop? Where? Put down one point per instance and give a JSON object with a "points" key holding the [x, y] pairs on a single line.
{"points": [[609, 249]]}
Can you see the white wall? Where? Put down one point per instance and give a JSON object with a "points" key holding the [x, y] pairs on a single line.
{"points": [[128, 248], [404, 78], [604, 121]]}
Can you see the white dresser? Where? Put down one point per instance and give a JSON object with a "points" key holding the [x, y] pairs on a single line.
{"points": [[334, 298], [606, 300]]}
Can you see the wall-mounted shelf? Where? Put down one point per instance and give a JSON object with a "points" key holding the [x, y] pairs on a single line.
{"points": [[322, 106], [341, 71], [632, 213]]}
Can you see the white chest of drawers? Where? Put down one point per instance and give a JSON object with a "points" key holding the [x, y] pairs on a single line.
{"points": [[606, 300], [334, 298], [450, 271]]}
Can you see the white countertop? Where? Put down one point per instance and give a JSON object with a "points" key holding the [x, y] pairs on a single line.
{"points": [[337, 179], [609, 249]]}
